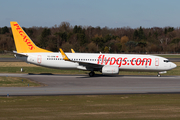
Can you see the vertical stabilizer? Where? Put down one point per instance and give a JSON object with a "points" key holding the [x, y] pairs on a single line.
{"points": [[22, 41]]}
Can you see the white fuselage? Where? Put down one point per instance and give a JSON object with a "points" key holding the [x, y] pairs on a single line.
{"points": [[97, 61]]}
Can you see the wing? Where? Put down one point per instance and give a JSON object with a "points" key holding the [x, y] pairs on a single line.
{"points": [[87, 65]]}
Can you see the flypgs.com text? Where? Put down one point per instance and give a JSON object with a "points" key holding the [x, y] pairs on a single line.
{"points": [[123, 61]]}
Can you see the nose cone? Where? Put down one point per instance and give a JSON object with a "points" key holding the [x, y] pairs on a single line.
{"points": [[173, 65]]}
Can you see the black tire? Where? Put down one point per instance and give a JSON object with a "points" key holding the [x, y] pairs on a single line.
{"points": [[158, 75], [91, 74]]}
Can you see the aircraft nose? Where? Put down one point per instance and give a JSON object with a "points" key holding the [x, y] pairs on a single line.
{"points": [[173, 65]]}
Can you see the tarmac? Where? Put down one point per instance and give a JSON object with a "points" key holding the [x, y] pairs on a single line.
{"points": [[98, 85]]}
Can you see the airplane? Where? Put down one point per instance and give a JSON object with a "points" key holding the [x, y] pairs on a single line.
{"points": [[109, 64]]}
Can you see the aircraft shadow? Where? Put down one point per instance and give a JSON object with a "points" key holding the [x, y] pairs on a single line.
{"points": [[40, 74], [96, 75]]}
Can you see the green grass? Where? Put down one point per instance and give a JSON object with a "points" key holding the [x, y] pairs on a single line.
{"points": [[15, 67], [7, 55], [17, 82], [175, 71], [170, 56], [38, 70], [93, 107]]}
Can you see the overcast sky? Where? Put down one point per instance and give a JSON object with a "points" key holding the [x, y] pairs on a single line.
{"points": [[110, 13]]}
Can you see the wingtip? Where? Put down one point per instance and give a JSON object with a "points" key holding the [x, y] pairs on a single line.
{"points": [[64, 55], [72, 51]]}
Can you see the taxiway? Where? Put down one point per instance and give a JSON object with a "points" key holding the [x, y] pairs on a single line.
{"points": [[84, 85]]}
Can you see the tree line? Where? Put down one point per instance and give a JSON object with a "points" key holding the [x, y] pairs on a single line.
{"points": [[96, 39]]}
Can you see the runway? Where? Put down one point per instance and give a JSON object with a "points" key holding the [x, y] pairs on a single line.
{"points": [[84, 85]]}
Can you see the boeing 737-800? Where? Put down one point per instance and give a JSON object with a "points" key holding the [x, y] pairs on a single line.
{"points": [[105, 63]]}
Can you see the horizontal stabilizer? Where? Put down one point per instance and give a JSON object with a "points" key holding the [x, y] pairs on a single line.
{"points": [[21, 54]]}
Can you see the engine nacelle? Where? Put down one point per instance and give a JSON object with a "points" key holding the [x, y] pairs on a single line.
{"points": [[107, 69]]}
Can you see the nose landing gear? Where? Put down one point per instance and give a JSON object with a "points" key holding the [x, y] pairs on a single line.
{"points": [[158, 75], [162, 72]]}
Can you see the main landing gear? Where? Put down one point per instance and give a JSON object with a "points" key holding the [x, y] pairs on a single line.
{"points": [[91, 74]]}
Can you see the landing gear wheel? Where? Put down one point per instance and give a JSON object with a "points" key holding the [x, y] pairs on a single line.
{"points": [[91, 74], [158, 75]]}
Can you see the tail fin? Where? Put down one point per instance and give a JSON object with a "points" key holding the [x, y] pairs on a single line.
{"points": [[22, 41]]}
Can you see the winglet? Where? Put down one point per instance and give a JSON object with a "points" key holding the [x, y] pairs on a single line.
{"points": [[64, 55], [72, 51]]}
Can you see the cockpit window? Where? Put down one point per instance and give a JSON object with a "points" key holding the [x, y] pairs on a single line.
{"points": [[166, 61]]}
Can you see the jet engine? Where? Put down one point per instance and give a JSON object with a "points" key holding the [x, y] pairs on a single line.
{"points": [[107, 69]]}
